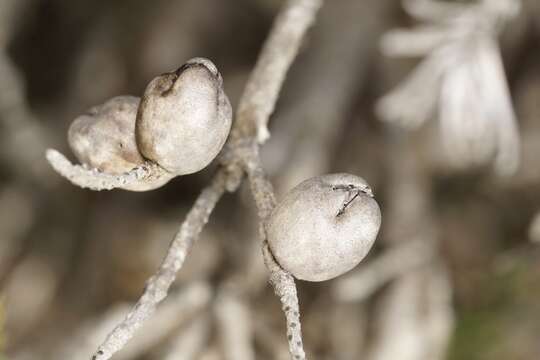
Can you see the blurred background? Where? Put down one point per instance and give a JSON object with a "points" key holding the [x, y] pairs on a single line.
{"points": [[455, 273]]}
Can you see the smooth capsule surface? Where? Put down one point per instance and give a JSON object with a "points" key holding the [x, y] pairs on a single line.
{"points": [[184, 118]]}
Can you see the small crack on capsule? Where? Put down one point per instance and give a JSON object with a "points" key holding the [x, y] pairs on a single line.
{"points": [[352, 193]]}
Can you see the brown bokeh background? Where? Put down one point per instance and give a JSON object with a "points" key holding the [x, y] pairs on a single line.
{"points": [[68, 256]]}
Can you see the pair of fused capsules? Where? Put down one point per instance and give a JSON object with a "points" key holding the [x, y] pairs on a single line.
{"points": [[321, 229], [181, 123]]}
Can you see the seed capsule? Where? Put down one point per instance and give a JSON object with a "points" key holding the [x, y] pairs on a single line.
{"points": [[324, 226], [184, 118], [104, 137]]}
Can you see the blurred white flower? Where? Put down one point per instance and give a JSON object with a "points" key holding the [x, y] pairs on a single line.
{"points": [[461, 79]]}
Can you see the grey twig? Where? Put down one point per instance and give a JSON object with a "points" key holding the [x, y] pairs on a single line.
{"points": [[256, 105], [176, 311], [95, 180], [309, 126], [263, 87], [157, 286], [285, 289], [281, 280]]}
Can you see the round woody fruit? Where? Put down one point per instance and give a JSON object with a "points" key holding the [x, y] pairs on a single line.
{"points": [[324, 226], [184, 118], [104, 139]]}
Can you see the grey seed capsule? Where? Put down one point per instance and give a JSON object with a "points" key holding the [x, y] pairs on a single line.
{"points": [[184, 118], [104, 137], [324, 226]]}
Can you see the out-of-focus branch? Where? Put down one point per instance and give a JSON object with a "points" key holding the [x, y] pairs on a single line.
{"points": [[191, 341], [317, 108], [263, 87], [233, 317], [15, 204], [176, 310], [23, 137], [182, 308], [370, 277], [414, 318], [261, 93], [457, 85], [157, 286]]}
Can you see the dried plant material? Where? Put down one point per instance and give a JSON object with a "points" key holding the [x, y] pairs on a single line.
{"points": [[142, 177], [242, 156], [461, 78], [285, 288], [324, 226], [184, 118], [104, 139], [104, 247], [180, 125]]}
